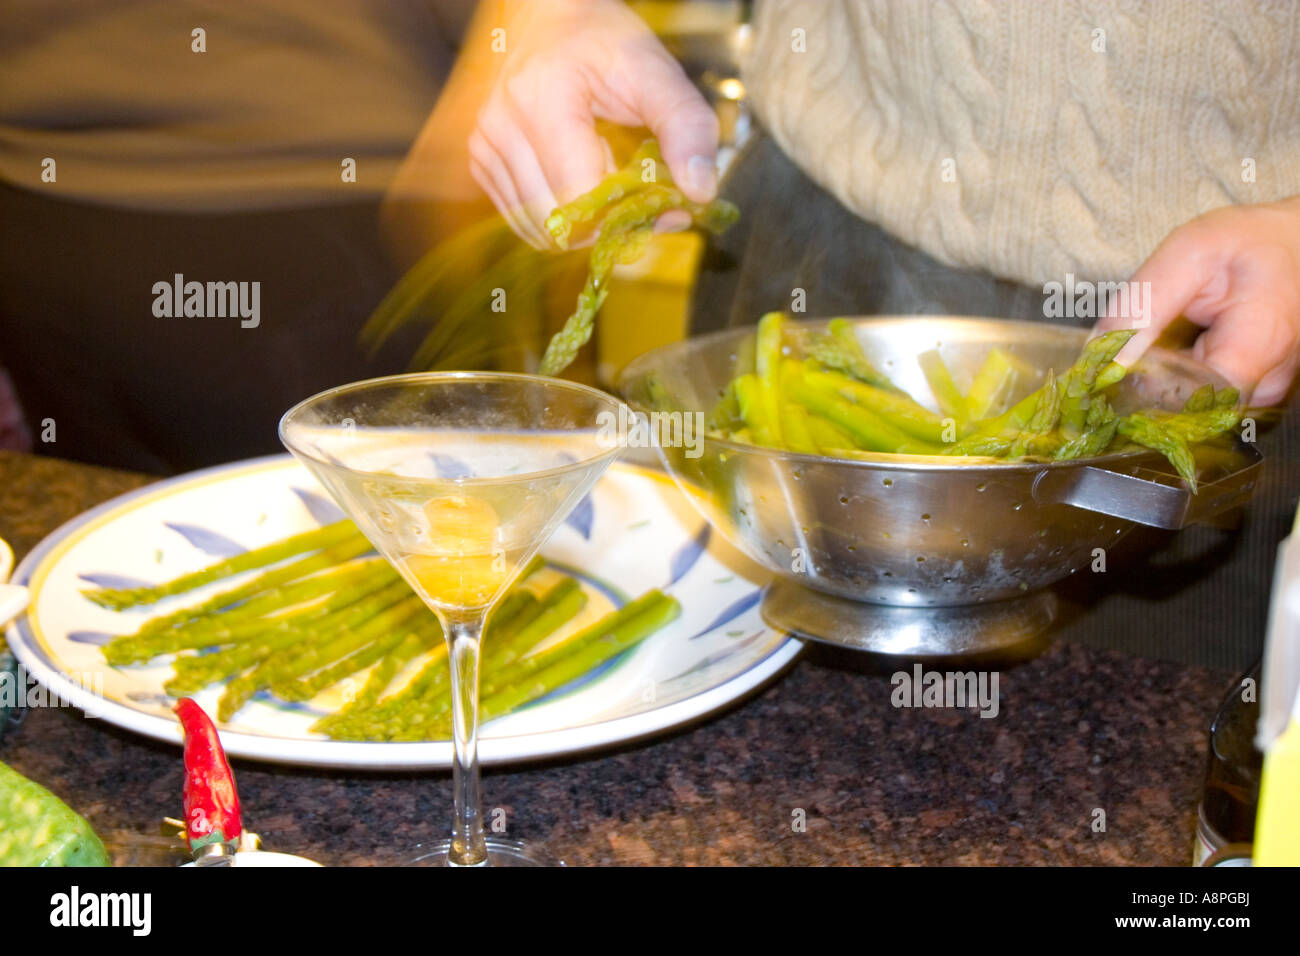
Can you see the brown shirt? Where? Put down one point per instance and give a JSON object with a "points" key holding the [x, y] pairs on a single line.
{"points": [[117, 94]]}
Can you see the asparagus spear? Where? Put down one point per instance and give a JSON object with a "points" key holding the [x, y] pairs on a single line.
{"points": [[1078, 384], [392, 711], [1098, 433], [298, 659], [896, 407], [627, 215], [496, 675], [266, 587], [796, 429], [1159, 437], [424, 698], [628, 221], [993, 382], [1036, 439], [410, 647], [305, 688], [827, 435], [946, 394], [1200, 400], [194, 673], [579, 659], [612, 188], [754, 411], [725, 415], [839, 349], [869, 430], [118, 599], [328, 592]]}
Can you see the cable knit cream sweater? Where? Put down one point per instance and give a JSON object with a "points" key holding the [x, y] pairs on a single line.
{"points": [[1032, 138]]}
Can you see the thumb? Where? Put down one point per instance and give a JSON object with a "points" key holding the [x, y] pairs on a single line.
{"points": [[1252, 346], [687, 129]]}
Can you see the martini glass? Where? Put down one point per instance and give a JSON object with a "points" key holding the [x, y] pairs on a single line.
{"points": [[457, 478]]}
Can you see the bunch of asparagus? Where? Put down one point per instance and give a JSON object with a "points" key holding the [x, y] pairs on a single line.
{"points": [[632, 199], [326, 610], [456, 287], [834, 401]]}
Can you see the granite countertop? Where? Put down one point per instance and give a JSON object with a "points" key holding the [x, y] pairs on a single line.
{"points": [[1078, 730]]}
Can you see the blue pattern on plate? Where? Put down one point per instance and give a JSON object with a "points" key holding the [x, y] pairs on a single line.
{"points": [[209, 542], [323, 509], [616, 598], [448, 466], [98, 638], [107, 579], [688, 554], [583, 518], [716, 658], [731, 612]]}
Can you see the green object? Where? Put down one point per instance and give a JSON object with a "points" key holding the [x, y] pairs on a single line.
{"points": [[751, 398], [1079, 383], [991, 386], [827, 435], [796, 429], [315, 540], [632, 205], [305, 688], [1099, 432], [424, 717], [429, 723], [576, 657], [893, 406], [868, 429], [725, 415], [946, 395], [1158, 436], [258, 616], [612, 188], [1195, 427], [1108, 376], [514, 607], [39, 829], [301, 658], [627, 224], [269, 583], [1036, 438], [838, 348], [410, 647], [195, 673], [429, 694]]}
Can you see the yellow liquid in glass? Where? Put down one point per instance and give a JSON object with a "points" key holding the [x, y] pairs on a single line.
{"points": [[466, 565]]}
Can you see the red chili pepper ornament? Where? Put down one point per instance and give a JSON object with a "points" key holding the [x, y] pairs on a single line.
{"points": [[211, 803]]}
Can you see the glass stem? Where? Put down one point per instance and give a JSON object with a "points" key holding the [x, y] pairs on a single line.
{"points": [[467, 844]]}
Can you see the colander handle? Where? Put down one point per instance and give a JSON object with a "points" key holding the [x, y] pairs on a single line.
{"points": [[1163, 503]]}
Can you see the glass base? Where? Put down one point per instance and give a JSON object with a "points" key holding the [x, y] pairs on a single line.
{"points": [[500, 853]]}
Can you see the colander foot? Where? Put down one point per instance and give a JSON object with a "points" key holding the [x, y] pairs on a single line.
{"points": [[908, 631]]}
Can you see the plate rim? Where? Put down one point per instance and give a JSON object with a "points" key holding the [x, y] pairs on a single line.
{"points": [[371, 755]]}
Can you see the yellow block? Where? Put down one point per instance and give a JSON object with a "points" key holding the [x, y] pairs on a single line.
{"points": [[1277, 827], [648, 303]]}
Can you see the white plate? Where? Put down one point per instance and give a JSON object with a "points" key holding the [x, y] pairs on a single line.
{"points": [[634, 532]]}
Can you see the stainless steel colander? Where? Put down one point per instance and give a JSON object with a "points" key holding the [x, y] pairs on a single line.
{"points": [[922, 531]]}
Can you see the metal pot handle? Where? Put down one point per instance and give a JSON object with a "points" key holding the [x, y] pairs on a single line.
{"points": [[1161, 501]]}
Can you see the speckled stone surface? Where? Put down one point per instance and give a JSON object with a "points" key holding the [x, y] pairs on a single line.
{"points": [[1079, 730]]}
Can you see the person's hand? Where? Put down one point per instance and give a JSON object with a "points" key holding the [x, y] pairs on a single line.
{"points": [[1235, 271], [567, 64]]}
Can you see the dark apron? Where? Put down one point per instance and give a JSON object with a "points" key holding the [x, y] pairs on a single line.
{"points": [[1199, 596]]}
